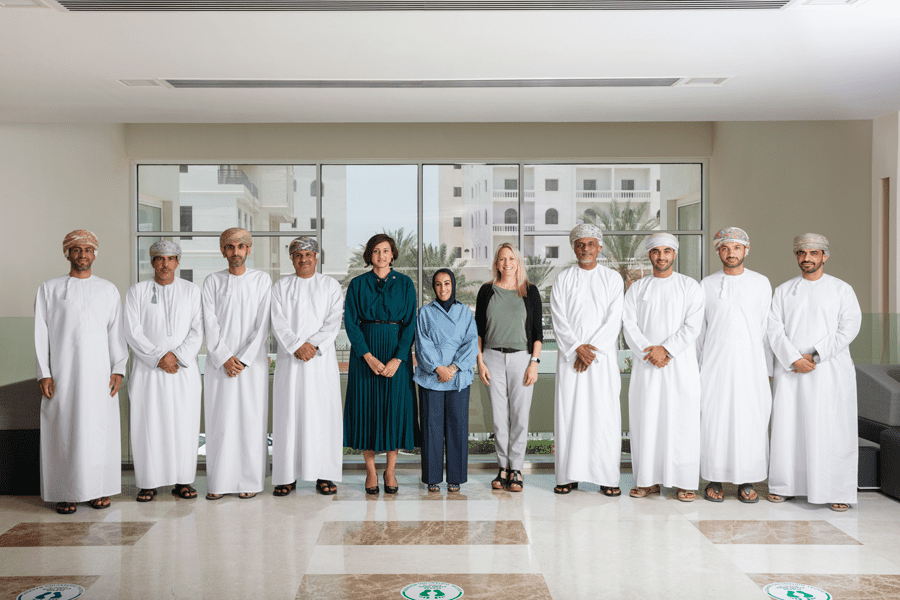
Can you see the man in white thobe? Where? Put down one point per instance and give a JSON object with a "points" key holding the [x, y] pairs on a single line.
{"points": [[662, 318], [164, 328], [586, 307], [735, 366], [813, 319], [81, 357], [236, 379], [308, 434]]}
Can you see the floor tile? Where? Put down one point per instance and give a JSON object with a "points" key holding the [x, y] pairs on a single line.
{"points": [[843, 587], [74, 534], [11, 587], [774, 532], [422, 533], [783, 558], [377, 587], [360, 560]]}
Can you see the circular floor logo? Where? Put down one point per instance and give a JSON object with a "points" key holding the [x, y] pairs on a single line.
{"points": [[53, 591], [795, 591], [426, 590]]}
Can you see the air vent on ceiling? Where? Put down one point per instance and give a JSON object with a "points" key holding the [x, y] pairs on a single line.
{"points": [[418, 83], [706, 81], [140, 82], [22, 4], [424, 5]]}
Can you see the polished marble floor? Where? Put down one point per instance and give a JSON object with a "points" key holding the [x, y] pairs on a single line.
{"points": [[491, 544]]}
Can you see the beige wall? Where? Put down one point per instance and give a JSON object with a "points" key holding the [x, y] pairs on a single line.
{"points": [[885, 165], [418, 141], [57, 178], [780, 179]]}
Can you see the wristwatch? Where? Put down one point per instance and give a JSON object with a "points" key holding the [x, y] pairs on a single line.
{"points": [[815, 356], [535, 360]]}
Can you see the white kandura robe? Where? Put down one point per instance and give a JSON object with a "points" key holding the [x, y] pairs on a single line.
{"points": [[307, 428], [664, 404], [814, 430], [735, 366], [79, 342], [236, 320], [586, 307], [165, 407]]}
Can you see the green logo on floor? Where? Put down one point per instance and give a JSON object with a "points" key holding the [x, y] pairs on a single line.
{"points": [[53, 591], [795, 591], [427, 590]]}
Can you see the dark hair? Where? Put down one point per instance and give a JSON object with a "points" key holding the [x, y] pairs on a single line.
{"points": [[374, 241]]}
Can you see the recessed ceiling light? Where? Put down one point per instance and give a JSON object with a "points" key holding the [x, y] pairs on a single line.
{"points": [[140, 82], [421, 83], [832, 2], [705, 81], [22, 4]]}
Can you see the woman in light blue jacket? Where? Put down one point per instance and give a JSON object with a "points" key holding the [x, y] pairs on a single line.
{"points": [[446, 347]]}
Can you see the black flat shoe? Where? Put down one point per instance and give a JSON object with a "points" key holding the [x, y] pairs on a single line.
{"points": [[389, 489]]}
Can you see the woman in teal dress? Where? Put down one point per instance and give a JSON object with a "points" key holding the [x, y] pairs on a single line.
{"points": [[380, 412]]}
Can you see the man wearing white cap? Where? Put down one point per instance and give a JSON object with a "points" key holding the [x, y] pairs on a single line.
{"points": [[164, 328], [813, 319], [236, 379], [308, 434], [586, 307], [735, 366], [81, 357], [662, 318]]}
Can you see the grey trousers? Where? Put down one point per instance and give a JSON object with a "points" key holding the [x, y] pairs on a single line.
{"points": [[510, 404]]}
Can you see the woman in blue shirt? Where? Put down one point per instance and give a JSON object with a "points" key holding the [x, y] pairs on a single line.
{"points": [[446, 347]]}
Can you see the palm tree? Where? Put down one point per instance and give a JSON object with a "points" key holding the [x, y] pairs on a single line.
{"points": [[624, 251]]}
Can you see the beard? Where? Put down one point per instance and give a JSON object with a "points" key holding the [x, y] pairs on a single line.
{"points": [[236, 261], [81, 265], [730, 262]]}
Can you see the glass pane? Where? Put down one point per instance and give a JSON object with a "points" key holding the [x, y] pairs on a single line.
{"points": [[623, 197], [216, 197], [463, 231], [362, 200]]}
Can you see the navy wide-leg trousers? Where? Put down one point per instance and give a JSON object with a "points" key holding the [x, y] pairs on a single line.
{"points": [[445, 420]]}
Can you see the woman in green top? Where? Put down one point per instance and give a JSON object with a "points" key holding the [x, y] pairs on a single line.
{"points": [[380, 320], [510, 335]]}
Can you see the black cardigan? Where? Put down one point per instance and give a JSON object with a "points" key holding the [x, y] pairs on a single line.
{"points": [[534, 329]]}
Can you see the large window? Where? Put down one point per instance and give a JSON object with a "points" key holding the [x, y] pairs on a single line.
{"points": [[440, 215]]}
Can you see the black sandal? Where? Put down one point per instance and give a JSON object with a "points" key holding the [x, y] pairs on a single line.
{"points": [[716, 488], [284, 490], [515, 478], [323, 486], [612, 492], [65, 508], [146, 495], [184, 490], [565, 488], [744, 493], [102, 502], [434, 487], [499, 482], [452, 487]]}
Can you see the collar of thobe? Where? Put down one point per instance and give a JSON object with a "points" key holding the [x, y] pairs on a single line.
{"points": [[233, 282], [161, 296], [654, 283], [299, 284], [801, 281], [728, 283], [70, 283]]}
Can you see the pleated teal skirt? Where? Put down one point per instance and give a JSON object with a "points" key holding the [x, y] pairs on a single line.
{"points": [[380, 413]]}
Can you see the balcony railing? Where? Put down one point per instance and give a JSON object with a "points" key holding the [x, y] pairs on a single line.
{"points": [[510, 228], [611, 195], [511, 194]]}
